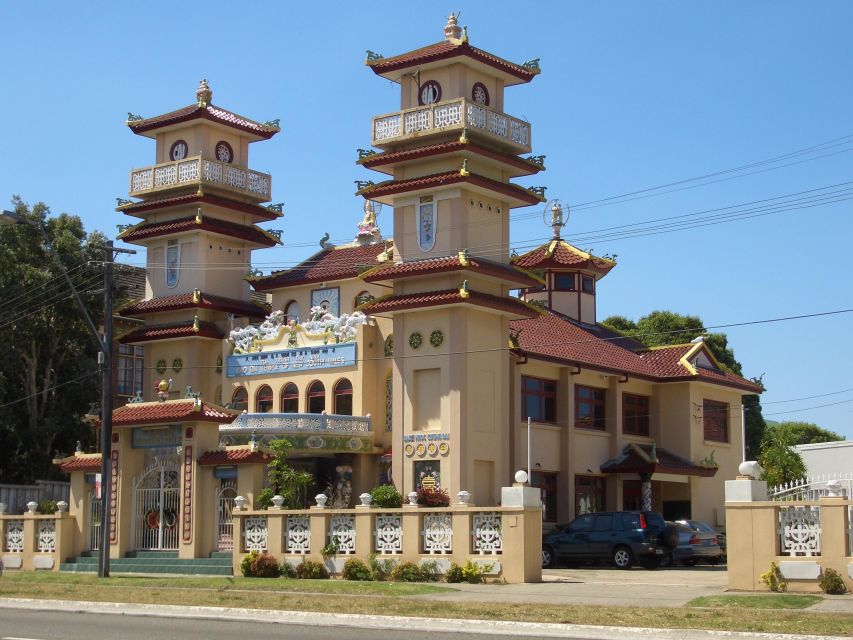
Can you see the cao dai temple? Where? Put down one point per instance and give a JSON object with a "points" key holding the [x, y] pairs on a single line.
{"points": [[414, 360]]}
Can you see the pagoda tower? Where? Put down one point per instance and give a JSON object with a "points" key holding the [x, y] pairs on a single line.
{"points": [[450, 152], [200, 205]]}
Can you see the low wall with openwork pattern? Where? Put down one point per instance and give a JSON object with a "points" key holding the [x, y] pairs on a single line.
{"points": [[505, 539], [803, 538], [34, 541]]}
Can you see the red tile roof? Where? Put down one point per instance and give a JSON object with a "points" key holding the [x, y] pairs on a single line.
{"points": [[337, 263], [171, 411], [559, 253], [250, 233], [390, 187], [446, 264], [135, 208], [186, 301], [234, 456], [445, 50], [559, 339], [208, 112], [89, 462], [381, 159], [639, 458], [427, 299], [176, 330]]}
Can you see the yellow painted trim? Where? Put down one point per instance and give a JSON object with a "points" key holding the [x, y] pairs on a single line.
{"points": [[530, 274], [130, 229], [667, 346]]}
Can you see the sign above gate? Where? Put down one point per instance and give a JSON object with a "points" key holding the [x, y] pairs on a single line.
{"points": [[322, 357], [156, 437]]}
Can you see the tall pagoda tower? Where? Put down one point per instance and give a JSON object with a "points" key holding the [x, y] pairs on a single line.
{"points": [[200, 205], [450, 152]]}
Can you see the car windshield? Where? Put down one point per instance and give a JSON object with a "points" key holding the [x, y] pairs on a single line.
{"points": [[702, 526]]}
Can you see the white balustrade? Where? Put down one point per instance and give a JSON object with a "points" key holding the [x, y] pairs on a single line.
{"points": [[46, 536], [342, 533], [14, 542], [438, 533], [298, 535], [799, 530], [389, 534], [486, 531], [256, 534], [198, 170], [453, 114]]}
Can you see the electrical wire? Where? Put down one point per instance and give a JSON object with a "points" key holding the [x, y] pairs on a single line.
{"points": [[51, 388], [822, 395]]}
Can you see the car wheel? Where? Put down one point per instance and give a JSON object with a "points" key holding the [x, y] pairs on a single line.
{"points": [[622, 558], [549, 559]]}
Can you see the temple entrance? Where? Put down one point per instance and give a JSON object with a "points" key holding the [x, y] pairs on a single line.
{"points": [[224, 506], [94, 529], [156, 503]]}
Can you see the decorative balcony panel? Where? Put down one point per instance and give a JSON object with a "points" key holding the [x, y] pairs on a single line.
{"points": [[198, 171], [324, 433], [450, 116]]}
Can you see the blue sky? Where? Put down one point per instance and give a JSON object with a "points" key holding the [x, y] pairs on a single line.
{"points": [[632, 95]]}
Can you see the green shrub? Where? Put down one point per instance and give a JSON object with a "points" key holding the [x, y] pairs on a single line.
{"points": [[310, 570], [380, 570], [433, 497], [330, 549], [831, 582], [47, 507], [386, 496], [355, 569], [259, 565], [265, 498], [429, 570], [470, 572], [287, 570], [774, 579], [407, 572]]}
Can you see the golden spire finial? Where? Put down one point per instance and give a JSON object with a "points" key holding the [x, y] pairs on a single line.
{"points": [[198, 218], [203, 94], [196, 296], [196, 325], [452, 30]]}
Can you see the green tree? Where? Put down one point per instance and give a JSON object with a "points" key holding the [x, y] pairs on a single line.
{"points": [[662, 328], [807, 432], [291, 484], [48, 365], [779, 460]]}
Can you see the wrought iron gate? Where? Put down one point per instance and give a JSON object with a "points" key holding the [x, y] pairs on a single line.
{"points": [[156, 504], [224, 507], [95, 509]]}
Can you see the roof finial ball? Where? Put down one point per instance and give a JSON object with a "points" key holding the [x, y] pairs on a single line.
{"points": [[452, 30], [203, 94]]}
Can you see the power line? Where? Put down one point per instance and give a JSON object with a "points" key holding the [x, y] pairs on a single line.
{"points": [[819, 406], [51, 388], [822, 395]]}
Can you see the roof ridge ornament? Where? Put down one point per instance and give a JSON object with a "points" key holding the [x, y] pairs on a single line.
{"points": [[452, 30], [553, 216], [203, 94]]}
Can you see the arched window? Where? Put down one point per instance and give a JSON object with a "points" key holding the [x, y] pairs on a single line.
{"points": [[316, 397], [343, 397], [240, 399], [292, 311], [289, 398], [263, 399]]}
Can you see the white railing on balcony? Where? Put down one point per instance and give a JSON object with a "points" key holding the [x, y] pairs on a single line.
{"points": [[295, 422], [198, 170], [451, 115]]}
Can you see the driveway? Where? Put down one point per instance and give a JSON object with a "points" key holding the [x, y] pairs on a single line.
{"points": [[671, 587]]}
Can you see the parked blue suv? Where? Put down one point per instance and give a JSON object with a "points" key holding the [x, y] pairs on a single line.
{"points": [[622, 537]]}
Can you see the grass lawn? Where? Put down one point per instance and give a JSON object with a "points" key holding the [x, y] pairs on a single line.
{"points": [[761, 601], [414, 600]]}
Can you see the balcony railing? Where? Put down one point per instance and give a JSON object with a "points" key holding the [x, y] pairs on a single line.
{"points": [[200, 171], [448, 116], [306, 431]]}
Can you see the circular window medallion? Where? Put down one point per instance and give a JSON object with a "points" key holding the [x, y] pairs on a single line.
{"points": [[436, 338], [177, 365], [444, 448], [432, 448], [480, 94], [416, 340], [224, 152], [179, 150], [410, 449], [161, 366], [421, 449], [430, 92]]}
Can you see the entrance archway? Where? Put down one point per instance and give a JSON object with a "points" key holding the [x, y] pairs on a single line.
{"points": [[156, 505]]}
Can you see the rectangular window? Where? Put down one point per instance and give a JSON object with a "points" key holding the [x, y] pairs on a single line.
{"points": [[130, 360], [715, 419], [173, 263], [589, 494], [538, 399], [588, 284], [635, 414], [547, 484], [590, 408], [564, 282]]}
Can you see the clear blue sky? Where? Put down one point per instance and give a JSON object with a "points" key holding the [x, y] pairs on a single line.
{"points": [[632, 95]]}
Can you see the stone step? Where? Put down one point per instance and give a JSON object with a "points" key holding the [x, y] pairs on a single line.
{"points": [[214, 570]]}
